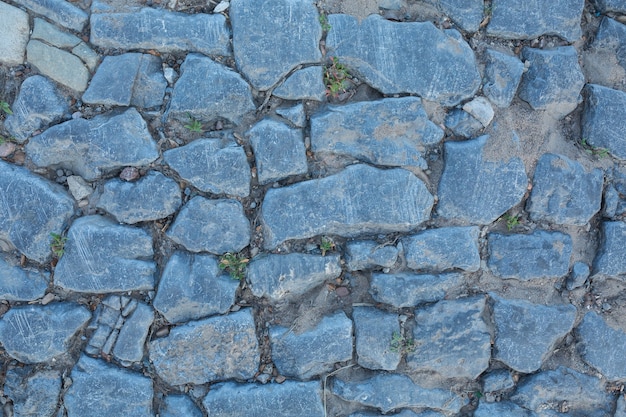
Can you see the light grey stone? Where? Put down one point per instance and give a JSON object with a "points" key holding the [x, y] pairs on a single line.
{"points": [[578, 276], [49, 33], [129, 345], [62, 12], [604, 119], [33, 393], [366, 254], [21, 284], [598, 344], [503, 74], [610, 260], [79, 188], [408, 290], [480, 109], [304, 84], [502, 409], [462, 123], [374, 330], [294, 114], [61, 66], [15, 33], [498, 380], [443, 249], [87, 55], [179, 406]]}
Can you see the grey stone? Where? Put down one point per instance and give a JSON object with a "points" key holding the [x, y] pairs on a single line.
{"points": [[396, 57], [102, 256], [618, 6], [374, 330], [33, 393], [110, 391], [294, 114], [443, 248], [598, 342], [91, 148], [193, 287], [578, 276], [403, 413], [32, 209], [356, 201], [462, 123], [526, 257], [14, 35], [79, 188], [388, 392], [130, 342], [279, 150], [62, 12], [37, 334], [620, 410], [498, 380], [215, 226], [61, 66], [213, 349], [312, 352], [604, 119], [152, 197], [304, 84], [281, 276], [391, 131], [366, 254], [502, 409], [610, 260], [179, 406], [408, 290], [222, 94], [511, 19], [480, 109], [47, 32], [476, 189], [466, 13], [87, 55], [564, 192], [21, 284], [258, 26], [291, 398], [503, 74], [605, 59], [452, 339], [553, 81]]}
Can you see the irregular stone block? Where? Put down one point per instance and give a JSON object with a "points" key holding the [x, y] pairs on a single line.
{"points": [[358, 200], [480, 109], [502, 409], [610, 260], [87, 55], [21, 284], [408, 290], [616, 6], [597, 346], [33, 393], [374, 331], [51, 34], [79, 188], [498, 380], [462, 123], [15, 34], [295, 114], [578, 277], [396, 57], [503, 74], [61, 66], [604, 119], [179, 406], [304, 84], [62, 12], [129, 345], [466, 13], [366, 254], [443, 248], [391, 131]]}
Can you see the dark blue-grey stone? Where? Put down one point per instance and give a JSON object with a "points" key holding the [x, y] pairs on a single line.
{"points": [[620, 410], [476, 189], [312, 352], [21, 284], [408, 290], [91, 148], [374, 330], [610, 260], [129, 346], [502, 409], [391, 131], [289, 399], [605, 59], [462, 123], [215, 226], [452, 339], [179, 406], [62, 12], [260, 25], [152, 197], [37, 334], [38, 105], [398, 57], [617, 6], [221, 94], [564, 192], [33, 393], [193, 287], [443, 248], [604, 119], [512, 19], [281, 276], [304, 84], [366, 254], [403, 413], [598, 344], [503, 74], [102, 256], [279, 150], [295, 114], [32, 209], [100, 390], [578, 276], [526, 257], [498, 380], [213, 349], [359, 200], [466, 13]]}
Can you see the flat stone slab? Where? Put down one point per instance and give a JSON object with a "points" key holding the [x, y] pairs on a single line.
{"points": [[213, 349], [366, 254], [62, 12], [527, 257], [102, 256], [15, 34], [304, 84], [53, 35], [610, 260], [33, 393], [58, 64], [129, 346], [21, 284], [91, 148], [597, 342], [405, 289], [443, 248], [503, 74], [604, 119], [391, 132], [358, 200], [374, 331], [396, 57], [37, 334]]}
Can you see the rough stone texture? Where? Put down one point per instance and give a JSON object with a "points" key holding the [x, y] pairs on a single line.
{"points": [[79, 188], [605, 60], [408, 290], [604, 119], [91, 148], [578, 276], [365, 254], [502, 409], [598, 345], [150, 198], [279, 150], [222, 94], [405, 61], [110, 391], [452, 339], [443, 248], [358, 200], [21, 284], [526, 333], [215, 226], [60, 11], [32, 208], [610, 260], [466, 13], [564, 192], [87, 55], [61, 66], [604, 6], [291, 398], [480, 109], [51, 34], [213, 349], [294, 114], [193, 287], [374, 329], [129, 346], [179, 406], [403, 413], [102, 256], [329, 342], [33, 393], [15, 33], [391, 131], [503, 74], [37, 334], [304, 84], [462, 123], [475, 189], [615, 194], [512, 19], [258, 26], [498, 380], [279, 277], [620, 410]]}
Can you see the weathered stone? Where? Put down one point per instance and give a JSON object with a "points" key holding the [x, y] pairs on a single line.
{"points": [[32, 209], [62, 12], [498, 380], [462, 123], [396, 57], [304, 84], [443, 248], [526, 257], [295, 114], [313, 352], [503, 74], [564, 192], [476, 189], [391, 131], [502, 409], [466, 13], [213, 349], [37, 334], [598, 343], [102, 256], [403, 413], [578, 276], [51, 34], [620, 410], [604, 61], [610, 260], [452, 339], [366, 254], [408, 290], [480, 109], [91, 148], [617, 6], [61, 66], [21, 284], [374, 330], [14, 34], [129, 345], [87, 55], [79, 188], [358, 200], [604, 119], [215, 226], [33, 393], [179, 406]]}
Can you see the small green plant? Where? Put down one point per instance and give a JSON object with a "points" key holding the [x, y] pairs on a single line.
{"points": [[57, 244], [324, 22], [194, 125], [335, 76], [4, 106], [326, 245], [593, 150], [511, 221], [401, 344], [4, 139], [235, 265]]}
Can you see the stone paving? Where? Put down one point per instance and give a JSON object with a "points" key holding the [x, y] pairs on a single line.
{"points": [[287, 208]]}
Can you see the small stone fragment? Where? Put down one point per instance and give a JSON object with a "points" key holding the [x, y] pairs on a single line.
{"points": [[374, 331], [503, 73], [409, 290], [578, 276], [79, 188], [597, 345], [366, 254], [129, 346], [442, 249], [480, 109]]}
